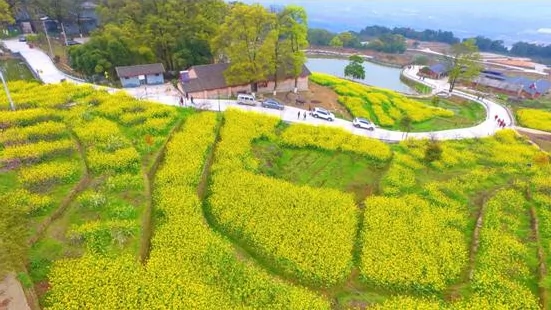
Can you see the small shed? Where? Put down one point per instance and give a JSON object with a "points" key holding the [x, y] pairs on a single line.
{"points": [[436, 71], [133, 76]]}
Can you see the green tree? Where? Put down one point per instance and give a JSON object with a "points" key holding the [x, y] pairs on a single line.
{"points": [[433, 152], [178, 32], [6, 16], [388, 43], [294, 31], [464, 62], [319, 37], [435, 101], [421, 60], [355, 68], [59, 10], [336, 42], [113, 46], [246, 38], [405, 124], [349, 40]]}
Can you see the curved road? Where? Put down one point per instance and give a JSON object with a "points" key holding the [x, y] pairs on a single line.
{"points": [[40, 62]]}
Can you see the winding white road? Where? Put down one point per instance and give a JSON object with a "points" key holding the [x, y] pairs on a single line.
{"points": [[41, 63]]}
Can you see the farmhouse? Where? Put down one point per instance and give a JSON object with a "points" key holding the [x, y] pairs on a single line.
{"points": [[436, 71], [208, 82], [133, 76], [515, 86]]}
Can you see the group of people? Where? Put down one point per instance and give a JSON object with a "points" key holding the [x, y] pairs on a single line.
{"points": [[303, 115], [188, 97], [501, 123]]}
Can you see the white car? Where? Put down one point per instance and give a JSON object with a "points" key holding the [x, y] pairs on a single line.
{"points": [[323, 113], [359, 122]]}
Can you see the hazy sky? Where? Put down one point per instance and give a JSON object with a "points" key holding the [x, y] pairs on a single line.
{"points": [[498, 19]]}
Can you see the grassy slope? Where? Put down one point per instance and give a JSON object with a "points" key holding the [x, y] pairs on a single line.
{"points": [[352, 173], [16, 71], [467, 114], [339, 170]]}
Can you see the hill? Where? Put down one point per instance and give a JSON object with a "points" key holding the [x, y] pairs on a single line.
{"points": [[127, 203]]}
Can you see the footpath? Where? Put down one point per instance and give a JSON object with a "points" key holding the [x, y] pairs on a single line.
{"points": [[48, 73]]}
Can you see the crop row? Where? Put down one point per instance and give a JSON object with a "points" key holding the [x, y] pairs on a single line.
{"points": [[382, 106], [41, 131], [305, 232], [503, 270], [333, 139], [408, 244], [190, 266], [534, 118]]}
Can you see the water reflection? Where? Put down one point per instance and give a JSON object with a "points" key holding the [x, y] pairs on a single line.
{"points": [[375, 75]]}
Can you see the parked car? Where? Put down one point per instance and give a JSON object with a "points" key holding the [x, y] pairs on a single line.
{"points": [[72, 42], [246, 99], [323, 113], [359, 122], [272, 104], [22, 39]]}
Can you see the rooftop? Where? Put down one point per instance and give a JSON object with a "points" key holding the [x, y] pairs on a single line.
{"points": [[211, 77], [133, 71]]}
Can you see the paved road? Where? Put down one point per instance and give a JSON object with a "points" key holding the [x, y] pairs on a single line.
{"points": [[38, 60]]}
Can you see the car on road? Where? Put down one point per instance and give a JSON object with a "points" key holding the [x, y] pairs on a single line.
{"points": [[323, 113], [359, 122], [246, 99], [272, 104], [72, 42]]}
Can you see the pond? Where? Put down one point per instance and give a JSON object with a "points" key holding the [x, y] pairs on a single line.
{"points": [[375, 75], [15, 69]]}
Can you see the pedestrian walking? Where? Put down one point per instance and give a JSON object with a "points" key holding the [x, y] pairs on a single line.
{"points": [[298, 115], [191, 97], [304, 115], [181, 101], [495, 118]]}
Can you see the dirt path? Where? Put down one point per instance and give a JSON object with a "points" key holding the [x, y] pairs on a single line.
{"points": [[541, 139], [542, 268], [149, 179], [241, 252], [476, 238], [77, 189], [12, 296], [454, 291]]}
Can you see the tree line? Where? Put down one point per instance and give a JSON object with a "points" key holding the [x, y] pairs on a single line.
{"points": [[376, 34], [427, 35], [387, 43], [258, 42]]}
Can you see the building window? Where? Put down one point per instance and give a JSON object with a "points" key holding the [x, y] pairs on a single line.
{"points": [[157, 74]]}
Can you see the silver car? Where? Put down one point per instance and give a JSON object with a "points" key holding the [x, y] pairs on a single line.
{"points": [[359, 122], [323, 113]]}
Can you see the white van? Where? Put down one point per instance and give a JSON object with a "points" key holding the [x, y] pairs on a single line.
{"points": [[246, 99]]}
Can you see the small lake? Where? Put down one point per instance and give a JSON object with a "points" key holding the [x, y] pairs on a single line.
{"points": [[375, 75]]}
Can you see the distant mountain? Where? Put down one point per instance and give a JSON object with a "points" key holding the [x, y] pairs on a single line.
{"points": [[527, 20]]}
